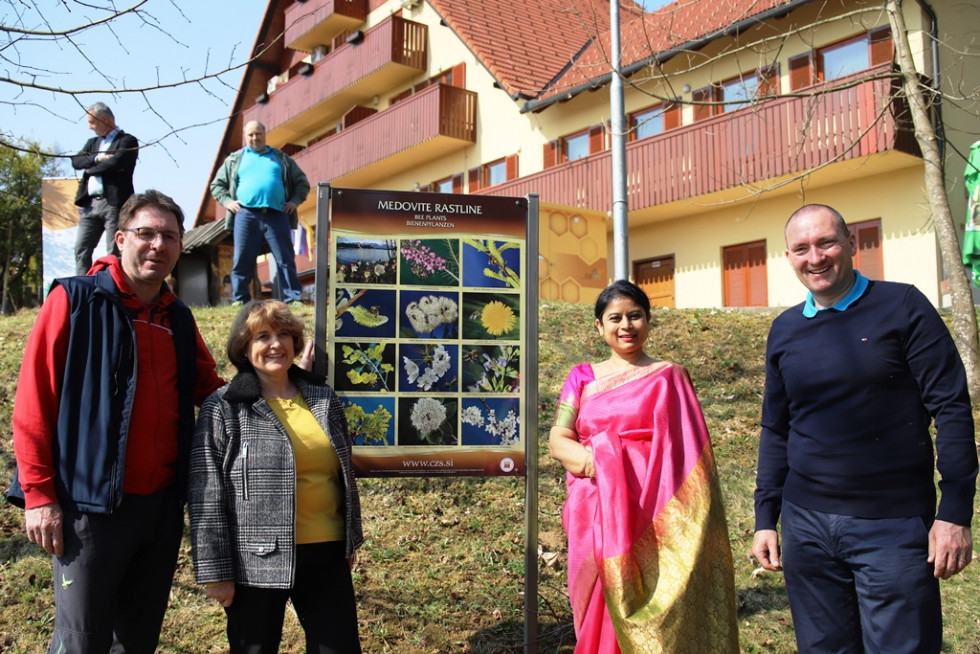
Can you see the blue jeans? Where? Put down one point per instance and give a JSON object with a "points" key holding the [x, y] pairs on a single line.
{"points": [[251, 227], [98, 217], [860, 585]]}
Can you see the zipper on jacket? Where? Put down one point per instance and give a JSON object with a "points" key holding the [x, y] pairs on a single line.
{"points": [[245, 468]]}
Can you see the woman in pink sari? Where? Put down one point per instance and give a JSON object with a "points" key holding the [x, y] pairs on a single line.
{"points": [[649, 561]]}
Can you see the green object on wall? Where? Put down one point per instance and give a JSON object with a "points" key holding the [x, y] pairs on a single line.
{"points": [[971, 237]]}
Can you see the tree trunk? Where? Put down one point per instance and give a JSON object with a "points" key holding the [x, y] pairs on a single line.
{"points": [[964, 313], [6, 269]]}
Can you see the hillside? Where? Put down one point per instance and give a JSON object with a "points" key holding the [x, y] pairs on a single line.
{"points": [[442, 570]]}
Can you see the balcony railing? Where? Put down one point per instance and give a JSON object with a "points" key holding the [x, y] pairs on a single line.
{"points": [[432, 123], [768, 140], [316, 22], [389, 54]]}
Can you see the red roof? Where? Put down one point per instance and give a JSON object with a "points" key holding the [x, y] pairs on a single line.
{"points": [[547, 49], [525, 45]]}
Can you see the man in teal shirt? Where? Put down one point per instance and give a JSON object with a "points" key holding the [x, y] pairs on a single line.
{"points": [[261, 187]]}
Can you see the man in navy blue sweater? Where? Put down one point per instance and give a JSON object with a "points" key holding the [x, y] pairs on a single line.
{"points": [[854, 377]]}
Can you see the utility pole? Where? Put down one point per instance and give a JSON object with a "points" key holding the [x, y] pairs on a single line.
{"points": [[617, 128]]}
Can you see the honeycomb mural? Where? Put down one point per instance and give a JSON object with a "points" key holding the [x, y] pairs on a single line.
{"points": [[572, 262]]}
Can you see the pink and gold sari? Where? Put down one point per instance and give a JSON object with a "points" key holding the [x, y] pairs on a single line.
{"points": [[649, 561]]}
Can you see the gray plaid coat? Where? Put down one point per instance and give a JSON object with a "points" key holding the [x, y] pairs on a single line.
{"points": [[242, 494]]}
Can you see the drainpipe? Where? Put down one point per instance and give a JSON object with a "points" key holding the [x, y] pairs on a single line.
{"points": [[937, 98]]}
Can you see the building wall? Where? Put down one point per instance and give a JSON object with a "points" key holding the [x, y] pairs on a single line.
{"points": [[908, 243]]}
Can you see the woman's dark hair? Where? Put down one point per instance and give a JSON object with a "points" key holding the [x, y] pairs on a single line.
{"points": [[621, 288], [250, 317]]}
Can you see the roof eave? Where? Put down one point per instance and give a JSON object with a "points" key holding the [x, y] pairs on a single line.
{"points": [[661, 57]]}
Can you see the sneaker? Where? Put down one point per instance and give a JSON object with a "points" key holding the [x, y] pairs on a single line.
{"points": [[237, 303], [297, 304]]}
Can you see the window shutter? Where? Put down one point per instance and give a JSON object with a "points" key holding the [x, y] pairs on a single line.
{"points": [[672, 117], [551, 154], [801, 72], [474, 175], [769, 81], [511, 164], [881, 46], [458, 183], [702, 111], [596, 141], [459, 75]]}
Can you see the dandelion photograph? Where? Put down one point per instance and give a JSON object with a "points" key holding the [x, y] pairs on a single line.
{"points": [[491, 316], [429, 314], [364, 367], [428, 367], [369, 419], [366, 261], [365, 312], [491, 368], [429, 262], [494, 264], [426, 421], [490, 421]]}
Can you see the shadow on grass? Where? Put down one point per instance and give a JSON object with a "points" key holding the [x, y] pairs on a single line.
{"points": [[508, 637], [761, 599]]}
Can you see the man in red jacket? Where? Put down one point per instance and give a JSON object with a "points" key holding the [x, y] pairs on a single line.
{"points": [[102, 422]]}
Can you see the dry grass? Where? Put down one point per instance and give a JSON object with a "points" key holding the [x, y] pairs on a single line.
{"points": [[442, 570]]}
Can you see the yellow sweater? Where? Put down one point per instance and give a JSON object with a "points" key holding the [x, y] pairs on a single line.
{"points": [[319, 486]]}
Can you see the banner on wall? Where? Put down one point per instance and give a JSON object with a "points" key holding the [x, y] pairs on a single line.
{"points": [[425, 331]]}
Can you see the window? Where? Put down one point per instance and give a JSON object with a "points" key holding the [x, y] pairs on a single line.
{"points": [[842, 58], [654, 120], [574, 146], [453, 184], [735, 93], [493, 173], [455, 76]]}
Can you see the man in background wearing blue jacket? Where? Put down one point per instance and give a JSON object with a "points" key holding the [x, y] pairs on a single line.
{"points": [[261, 187]]}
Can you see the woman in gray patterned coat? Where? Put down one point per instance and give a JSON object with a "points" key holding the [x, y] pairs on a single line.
{"points": [[273, 501]]}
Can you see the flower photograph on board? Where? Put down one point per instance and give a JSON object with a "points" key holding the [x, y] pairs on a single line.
{"points": [[364, 313], [426, 421], [490, 421], [491, 369], [491, 316], [427, 314], [495, 264], [366, 261], [428, 367], [369, 419], [429, 262], [364, 366]]}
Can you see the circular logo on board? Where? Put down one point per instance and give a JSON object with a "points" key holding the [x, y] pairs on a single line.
{"points": [[507, 464]]}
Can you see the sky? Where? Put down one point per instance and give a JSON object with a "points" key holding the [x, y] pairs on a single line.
{"points": [[180, 128]]}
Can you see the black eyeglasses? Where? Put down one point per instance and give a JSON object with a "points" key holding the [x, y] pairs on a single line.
{"points": [[149, 235]]}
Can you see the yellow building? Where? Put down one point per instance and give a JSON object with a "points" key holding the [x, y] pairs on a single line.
{"points": [[738, 113]]}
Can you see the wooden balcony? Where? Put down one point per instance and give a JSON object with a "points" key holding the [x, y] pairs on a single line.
{"points": [[432, 123], [768, 140], [386, 56], [310, 23]]}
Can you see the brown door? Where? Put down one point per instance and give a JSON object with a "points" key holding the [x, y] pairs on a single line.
{"points": [[745, 275], [868, 257], [656, 278]]}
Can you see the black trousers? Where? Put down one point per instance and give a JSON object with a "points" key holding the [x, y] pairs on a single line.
{"points": [[112, 584], [323, 596]]}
